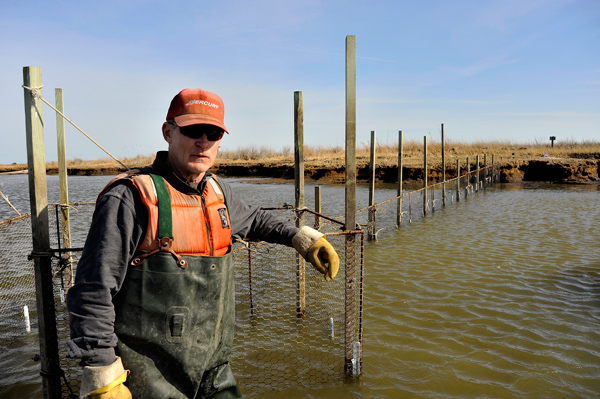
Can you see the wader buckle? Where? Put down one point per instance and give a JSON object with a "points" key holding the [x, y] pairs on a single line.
{"points": [[164, 245]]}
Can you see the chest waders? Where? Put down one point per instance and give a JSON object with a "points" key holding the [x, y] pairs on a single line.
{"points": [[175, 324]]}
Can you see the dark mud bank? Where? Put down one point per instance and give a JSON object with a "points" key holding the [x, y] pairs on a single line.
{"points": [[581, 172], [564, 172]]}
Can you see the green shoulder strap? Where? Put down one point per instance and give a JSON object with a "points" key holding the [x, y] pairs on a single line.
{"points": [[165, 217]]}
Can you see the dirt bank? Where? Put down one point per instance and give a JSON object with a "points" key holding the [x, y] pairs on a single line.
{"points": [[581, 169], [571, 171]]}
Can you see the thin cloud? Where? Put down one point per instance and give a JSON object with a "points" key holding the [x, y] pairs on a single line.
{"points": [[552, 114], [480, 66], [505, 14]]}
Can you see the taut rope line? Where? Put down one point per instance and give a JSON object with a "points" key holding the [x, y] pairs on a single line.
{"points": [[36, 92], [9, 204]]}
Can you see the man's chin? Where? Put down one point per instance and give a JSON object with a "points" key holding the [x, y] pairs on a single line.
{"points": [[199, 167]]}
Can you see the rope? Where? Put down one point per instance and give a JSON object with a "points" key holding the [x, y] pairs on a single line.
{"points": [[16, 219], [430, 187], [36, 93], [9, 204]]}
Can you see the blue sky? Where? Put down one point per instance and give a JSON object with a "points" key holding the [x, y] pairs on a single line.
{"points": [[507, 70]]}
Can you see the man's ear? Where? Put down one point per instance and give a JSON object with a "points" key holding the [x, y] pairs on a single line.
{"points": [[167, 130]]}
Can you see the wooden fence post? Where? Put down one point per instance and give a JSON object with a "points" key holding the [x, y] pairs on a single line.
{"points": [[399, 205], [468, 177], [38, 195], [409, 208], [443, 167], [457, 180], [371, 223], [318, 207], [485, 173], [299, 190], [352, 365], [64, 188], [493, 170], [424, 176], [477, 172], [350, 185]]}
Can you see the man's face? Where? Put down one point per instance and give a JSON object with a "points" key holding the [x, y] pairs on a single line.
{"points": [[191, 154]]}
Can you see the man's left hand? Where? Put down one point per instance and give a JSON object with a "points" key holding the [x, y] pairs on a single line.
{"points": [[322, 254], [313, 247]]}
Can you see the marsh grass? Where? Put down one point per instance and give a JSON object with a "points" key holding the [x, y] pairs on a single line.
{"points": [[502, 150], [387, 153]]}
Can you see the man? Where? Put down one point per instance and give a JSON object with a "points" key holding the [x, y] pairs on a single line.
{"points": [[152, 308]]}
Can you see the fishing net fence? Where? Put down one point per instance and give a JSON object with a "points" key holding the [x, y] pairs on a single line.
{"points": [[288, 333], [383, 217], [292, 328]]}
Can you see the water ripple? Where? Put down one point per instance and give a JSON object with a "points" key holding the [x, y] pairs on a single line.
{"points": [[499, 297]]}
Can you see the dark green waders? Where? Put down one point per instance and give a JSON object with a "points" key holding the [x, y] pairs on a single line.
{"points": [[175, 328], [175, 325]]}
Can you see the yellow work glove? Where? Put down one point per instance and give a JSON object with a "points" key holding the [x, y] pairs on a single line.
{"points": [[313, 247], [114, 390], [105, 382], [321, 254]]}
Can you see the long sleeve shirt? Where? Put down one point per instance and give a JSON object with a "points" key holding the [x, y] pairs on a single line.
{"points": [[118, 225]]}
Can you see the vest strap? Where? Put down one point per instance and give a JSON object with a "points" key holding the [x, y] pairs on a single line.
{"points": [[217, 189], [165, 217], [165, 224], [165, 246]]}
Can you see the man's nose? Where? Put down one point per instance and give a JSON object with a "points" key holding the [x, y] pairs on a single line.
{"points": [[202, 141]]}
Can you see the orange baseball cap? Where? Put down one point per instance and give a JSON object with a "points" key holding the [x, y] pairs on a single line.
{"points": [[196, 107]]}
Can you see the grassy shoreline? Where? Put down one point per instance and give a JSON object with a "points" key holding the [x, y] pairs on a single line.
{"points": [[328, 162]]}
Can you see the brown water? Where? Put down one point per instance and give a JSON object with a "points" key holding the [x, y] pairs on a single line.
{"points": [[497, 296]]}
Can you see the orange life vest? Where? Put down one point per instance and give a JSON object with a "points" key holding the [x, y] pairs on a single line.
{"points": [[200, 223]]}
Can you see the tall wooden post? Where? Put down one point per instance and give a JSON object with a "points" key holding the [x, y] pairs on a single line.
{"points": [[371, 223], [424, 176], [372, 169], [468, 177], [493, 170], [399, 206], [64, 188], [409, 208], [485, 172], [38, 196], [351, 335], [477, 172], [299, 185], [350, 186], [443, 167], [318, 207], [457, 180]]}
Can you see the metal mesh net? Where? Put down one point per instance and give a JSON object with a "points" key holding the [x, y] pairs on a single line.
{"points": [[17, 344], [63, 270], [288, 333], [276, 345], [383, 217]]}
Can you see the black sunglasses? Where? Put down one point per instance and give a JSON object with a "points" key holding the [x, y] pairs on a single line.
{"points": [[195, 132]]}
